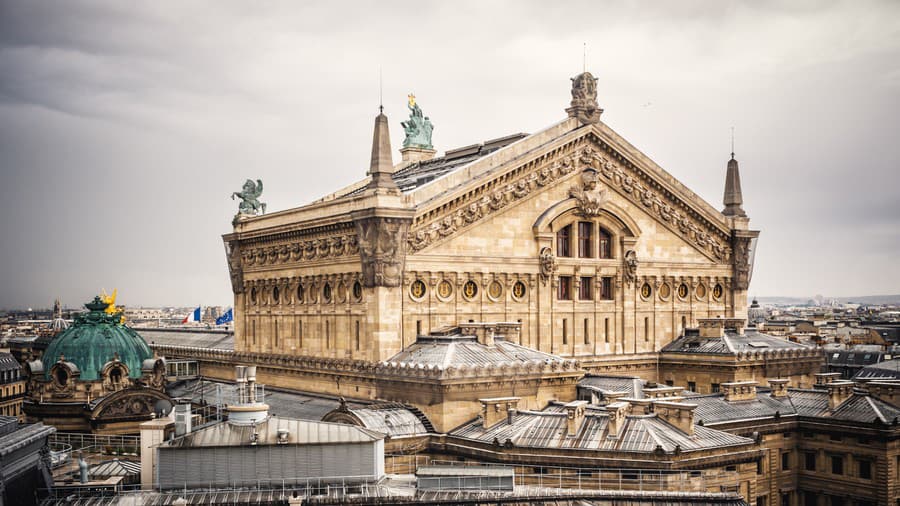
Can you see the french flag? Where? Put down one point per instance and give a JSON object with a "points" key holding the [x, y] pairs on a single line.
{"points": [[193, 316]]}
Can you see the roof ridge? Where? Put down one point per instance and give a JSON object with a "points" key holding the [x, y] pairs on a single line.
{"points": [[728, 343], [448, 357], [875, 409]]}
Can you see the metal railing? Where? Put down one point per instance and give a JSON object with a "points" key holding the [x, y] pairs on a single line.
{"points": [[98, 443]]}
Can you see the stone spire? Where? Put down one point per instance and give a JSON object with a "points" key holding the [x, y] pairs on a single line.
{"points": [[382, 164], [733, 198]]}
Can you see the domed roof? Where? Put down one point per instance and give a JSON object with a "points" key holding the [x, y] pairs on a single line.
{"points": [[94, 339]]}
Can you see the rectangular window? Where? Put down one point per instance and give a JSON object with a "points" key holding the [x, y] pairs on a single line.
{"points": [[692, 386], [327, 334], [585, 239], [418, 327], [785, 461], [584, 288], [865, 469], [786, 499], [563, 238], [565, 331], [606, 288], [300, 334], [276, 333], [837, 464], [253, 330], [646, 328], [606, 329], [810, 460], [605, 250], [564, 292], [670, 383], [357, 335], [587, 333], [714, 388], [761, 500], [759, 464]]}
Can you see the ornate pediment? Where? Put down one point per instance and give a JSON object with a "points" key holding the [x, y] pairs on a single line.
{"points": [[603, 170]]}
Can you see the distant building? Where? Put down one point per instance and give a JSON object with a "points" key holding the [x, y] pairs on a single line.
{"points": [[12, 386]]}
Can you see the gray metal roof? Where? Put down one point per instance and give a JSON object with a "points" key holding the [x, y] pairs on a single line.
{"points": [[8, 362], [887, 369], [860, 407], [458, 350], [115, 467], [393, 419], [282, 403], [208, 339], [640, 434], [731, 343], [300, 432], [630, 386]]}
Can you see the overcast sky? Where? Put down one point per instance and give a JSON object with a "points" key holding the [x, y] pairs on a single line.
{"points": [[125, 126]]}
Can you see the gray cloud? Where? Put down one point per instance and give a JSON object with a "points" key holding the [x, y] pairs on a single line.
{"points": [[124, 127]]}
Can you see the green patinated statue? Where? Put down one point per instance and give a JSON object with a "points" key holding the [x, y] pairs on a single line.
{"points": [[250, 203], [418, 128]]}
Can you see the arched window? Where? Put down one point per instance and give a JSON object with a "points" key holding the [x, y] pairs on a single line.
{"points": [[563, 239], [605, 250]]}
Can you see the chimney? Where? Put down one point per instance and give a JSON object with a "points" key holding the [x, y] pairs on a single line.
{"points": [[493, 411], [739, 390], [711, 327], [838, 392], [413, 154], [824, 378], [678, 414], [617, 413], [735, 324], [153, 433], [662, 392], [733, 199], [484, 332], [381, 165], [779, 387], [574, 417]]}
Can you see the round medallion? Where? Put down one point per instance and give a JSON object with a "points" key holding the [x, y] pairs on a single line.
{"points": [[700, 292], [444, 289], [470, 290], [718, 291], [495, 290], [357, 291], [682, 291], [417, 289], [518, 290], [664, 291], [646, 290]]}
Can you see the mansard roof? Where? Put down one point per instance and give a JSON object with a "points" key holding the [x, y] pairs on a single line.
{"points": [[807, 403], [462, 351], [732, 343], [640, 433]]}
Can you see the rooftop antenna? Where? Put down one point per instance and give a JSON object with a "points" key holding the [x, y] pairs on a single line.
{"points": [[380, 91], [732, 143]]}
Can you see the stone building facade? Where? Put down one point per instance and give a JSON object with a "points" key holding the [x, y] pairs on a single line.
{"points": [[598, 252]]}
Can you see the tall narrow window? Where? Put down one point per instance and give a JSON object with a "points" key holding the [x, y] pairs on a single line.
{"points": [[357, 335], [253, 330], [683, 324], [606, 288], [276, 334], [564, 291], [563, 238], [585, 239], [646, 328], [418, 327], [300, 334], [565, 331], [584, 288], [605, 249], [587, 333], [327, 334], [606, 329]]}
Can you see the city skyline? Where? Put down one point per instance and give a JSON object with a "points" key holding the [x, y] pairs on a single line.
{"points": [[125, 130]]}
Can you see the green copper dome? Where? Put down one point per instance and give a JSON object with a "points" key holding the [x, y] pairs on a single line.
{"points": [[94, 339]]}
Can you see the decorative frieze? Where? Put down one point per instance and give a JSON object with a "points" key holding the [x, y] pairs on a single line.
{"points": [[298, 251]]}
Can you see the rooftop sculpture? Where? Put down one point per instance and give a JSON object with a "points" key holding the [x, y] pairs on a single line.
{"points": [[250, 203], [418, 128]]}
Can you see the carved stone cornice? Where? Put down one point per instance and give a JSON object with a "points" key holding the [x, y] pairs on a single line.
{"points": [[299, 251]]}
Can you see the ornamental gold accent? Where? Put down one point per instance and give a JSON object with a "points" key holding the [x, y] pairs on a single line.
{"points": [[518, 290], [417, 289], [445, 289], [470, 289]]}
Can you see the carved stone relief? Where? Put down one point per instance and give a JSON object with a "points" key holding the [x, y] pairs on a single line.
{"points": [[548, 264], [589, 196], [308, 250], [235, 267], [631, 265], [741, 247], [381, 249]]}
